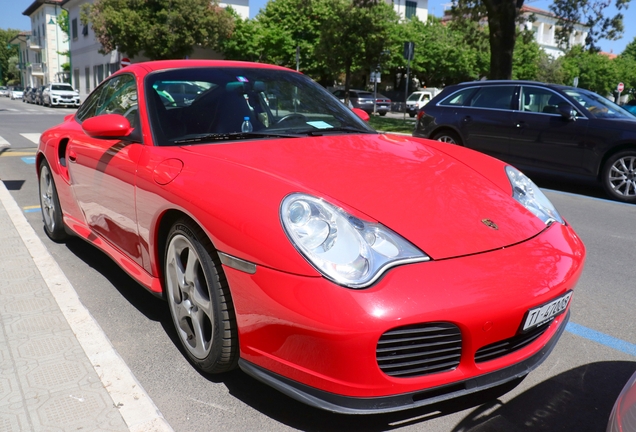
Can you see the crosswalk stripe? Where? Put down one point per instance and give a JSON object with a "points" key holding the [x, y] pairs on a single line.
{"points": [[4, 143], [33, 137]]}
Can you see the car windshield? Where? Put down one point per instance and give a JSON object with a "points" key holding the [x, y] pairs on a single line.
{"points": [[17, 88], [414, 97], [65, 87], [3, 88], [197, 105], [598, 105]]}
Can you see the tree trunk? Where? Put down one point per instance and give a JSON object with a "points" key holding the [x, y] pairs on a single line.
{"points": [[348, 64], [502, 24]]}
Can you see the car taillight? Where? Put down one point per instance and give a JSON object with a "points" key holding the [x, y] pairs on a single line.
{"points": [[420, 114]]}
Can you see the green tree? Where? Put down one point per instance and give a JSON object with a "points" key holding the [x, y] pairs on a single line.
{"points": [[596, 72], [160, 29], [591, 13], [441, 56], [273, 35], [355, 36], [526, 62], [6, 52], [630, 50], [502, 17]]}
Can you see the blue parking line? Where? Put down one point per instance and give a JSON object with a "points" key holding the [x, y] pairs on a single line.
{"points": [[29, 160], [602, 338]]}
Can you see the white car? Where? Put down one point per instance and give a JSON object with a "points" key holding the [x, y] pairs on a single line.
{"points": [[56, 94], [4, 91], [418, 99], [16, 92]]}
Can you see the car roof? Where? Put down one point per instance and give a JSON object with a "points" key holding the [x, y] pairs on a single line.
{"points": [[514, 82], [158, 65]]}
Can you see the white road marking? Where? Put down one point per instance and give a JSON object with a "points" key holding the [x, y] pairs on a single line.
{"points": [[4, 143], [33, 137], [135, 406]]}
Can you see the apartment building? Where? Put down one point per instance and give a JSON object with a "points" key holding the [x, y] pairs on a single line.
{"points": [[44, 58]]}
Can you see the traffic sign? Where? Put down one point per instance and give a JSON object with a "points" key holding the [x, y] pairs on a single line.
{"points": [[125, 62], [620, 87]]}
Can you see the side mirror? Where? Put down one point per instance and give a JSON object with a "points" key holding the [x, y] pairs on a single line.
{"points": [[362, 114], [107, 126], [566, 111]]}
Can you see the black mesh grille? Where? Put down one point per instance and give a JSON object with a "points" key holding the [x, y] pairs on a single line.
{"points": [[419, 349], [504, 347]]}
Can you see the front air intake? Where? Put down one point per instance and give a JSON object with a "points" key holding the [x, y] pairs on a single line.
{"points": [[419, 349]]}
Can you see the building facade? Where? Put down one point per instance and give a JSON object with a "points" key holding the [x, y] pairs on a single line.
{"points": [[409, 8], [44, 58], [89, 67], [544, 26]]}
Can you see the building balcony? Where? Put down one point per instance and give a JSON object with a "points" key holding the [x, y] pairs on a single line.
{"points": [[34, 45], [37, 68]]}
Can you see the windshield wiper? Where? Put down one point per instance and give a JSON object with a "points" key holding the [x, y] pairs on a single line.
{"points": [[231, 136], [343, 129]]}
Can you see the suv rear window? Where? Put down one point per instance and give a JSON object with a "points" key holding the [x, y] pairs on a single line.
{"points": [[496, 97], [459, 98]]}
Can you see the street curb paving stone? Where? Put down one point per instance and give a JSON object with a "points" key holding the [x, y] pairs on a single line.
{"points": [[58, 370]]}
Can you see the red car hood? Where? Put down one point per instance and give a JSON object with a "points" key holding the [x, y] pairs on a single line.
{"points": [[434, 200]]}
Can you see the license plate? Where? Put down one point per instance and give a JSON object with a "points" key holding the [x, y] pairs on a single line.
{"points": [[541, 314]]}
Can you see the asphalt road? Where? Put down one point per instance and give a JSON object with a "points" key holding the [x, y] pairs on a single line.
{"points": [[573, 390]]}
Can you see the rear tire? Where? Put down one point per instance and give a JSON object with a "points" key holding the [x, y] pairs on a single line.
{"points": [[619, 176], [448, 137], [199, 299], [50, 205]]}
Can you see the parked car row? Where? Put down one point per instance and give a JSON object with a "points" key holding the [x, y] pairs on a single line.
{"points": [[53, 94], [364, 100], [538, 127]]}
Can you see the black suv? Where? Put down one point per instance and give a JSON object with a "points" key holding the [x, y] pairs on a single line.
{"points": [[539, 127]]}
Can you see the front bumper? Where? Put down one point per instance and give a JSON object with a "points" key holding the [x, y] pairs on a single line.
{"points": [[307, 336], [57, 101], [378, 405]]}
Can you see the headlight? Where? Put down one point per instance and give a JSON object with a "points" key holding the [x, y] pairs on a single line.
{"points": [[345, 249], [530, 196]]}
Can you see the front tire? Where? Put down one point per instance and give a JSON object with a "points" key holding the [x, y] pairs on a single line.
{"points": [[199, 299], [619, 176], [50, 205], [448, 137]]}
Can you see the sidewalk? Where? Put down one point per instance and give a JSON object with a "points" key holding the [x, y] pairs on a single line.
{"points": [[58, 370]]}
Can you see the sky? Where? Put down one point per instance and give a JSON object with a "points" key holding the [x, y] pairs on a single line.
{"points": [[11, 17]]}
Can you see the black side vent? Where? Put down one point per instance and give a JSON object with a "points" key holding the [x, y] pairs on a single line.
{"points": [[419, 349], [504, 347]]}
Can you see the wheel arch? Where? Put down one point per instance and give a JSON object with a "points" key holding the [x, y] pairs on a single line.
{"points": [[168, 218], [611, 152], [449, 128]]}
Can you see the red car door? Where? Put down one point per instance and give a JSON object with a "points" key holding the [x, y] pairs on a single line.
{"points": [[102, 172]]}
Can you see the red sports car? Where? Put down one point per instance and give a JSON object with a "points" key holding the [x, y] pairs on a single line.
{"points": [[355, 271]]}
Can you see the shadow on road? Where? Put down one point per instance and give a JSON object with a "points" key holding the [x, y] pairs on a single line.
{"points": [[578, 400]]}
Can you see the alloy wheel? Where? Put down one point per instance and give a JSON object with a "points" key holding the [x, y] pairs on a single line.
{"points": [[189, 297], [622, 176]]}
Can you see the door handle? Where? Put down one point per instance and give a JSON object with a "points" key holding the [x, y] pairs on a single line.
{"points": [[521, 124], [467, 119], [72, 156]]}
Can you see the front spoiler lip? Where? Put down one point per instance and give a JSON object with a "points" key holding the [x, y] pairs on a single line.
{"points": [[385, 404]]}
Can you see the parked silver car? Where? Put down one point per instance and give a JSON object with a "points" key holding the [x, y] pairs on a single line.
{"points": [[4, 91], [16, 92]]}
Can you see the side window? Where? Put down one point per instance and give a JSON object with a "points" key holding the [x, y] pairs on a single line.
{"points": [[495, 97], [539, 100], [459, 98], [115, 96], [89, 107], [120, 97]]}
